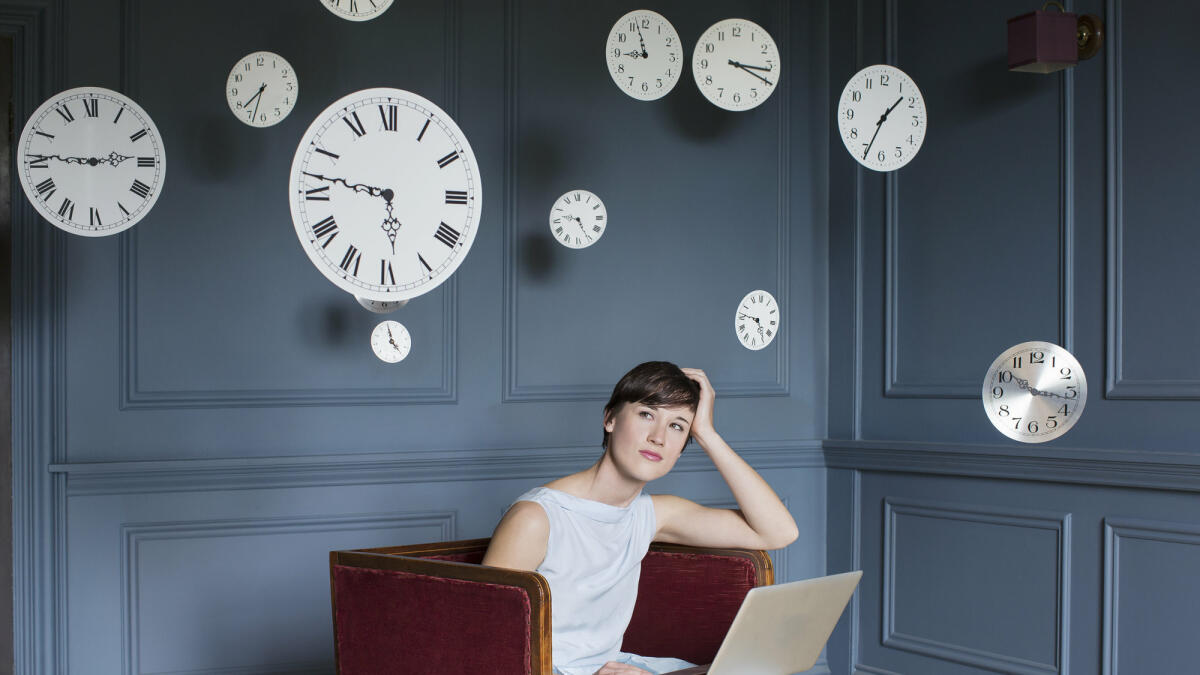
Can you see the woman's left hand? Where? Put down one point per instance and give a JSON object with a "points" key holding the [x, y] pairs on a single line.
{"points": [[703, 422]]}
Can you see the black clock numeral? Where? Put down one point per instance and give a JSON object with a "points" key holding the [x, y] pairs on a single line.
{"points": [[600, 217], [1063, 410], [352, 259], [388, 116], [140, 189], [447, 160], [423, 128], [65, 112], [456, 197], [119, 111], [326, 152], [42, 133], [67, 209], [91, 107], [558, 230], [38, 162], [356, 126], [45, 188], [94, 217], [1017, 360], [596, 228], [123, 209], [447, 235], [320, 194], [385, 273], [326, 227], [427, 267], [137, 135], [146, 162], [741, 328]]}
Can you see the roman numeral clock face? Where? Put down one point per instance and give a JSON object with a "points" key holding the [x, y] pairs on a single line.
{"points": [[91, 161], [385, 194]]}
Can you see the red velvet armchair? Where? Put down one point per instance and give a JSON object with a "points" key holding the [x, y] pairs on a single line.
{"points": [[433, 609]]}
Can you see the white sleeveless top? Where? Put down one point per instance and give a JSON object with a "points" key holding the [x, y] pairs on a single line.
{"points": [[593, 564]]}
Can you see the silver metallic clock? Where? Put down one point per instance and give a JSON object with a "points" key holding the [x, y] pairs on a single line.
{"points": [[262, 89], [578, 219], [1034, 392]]}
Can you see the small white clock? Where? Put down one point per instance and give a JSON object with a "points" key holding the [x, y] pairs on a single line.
{"points": [[262, 89], [357, 10], [644, 55], [380, 306], [91, 161], [578, 219], [882, 118], [736, 64], [1034, 392], [390, 341], [756, 322]]}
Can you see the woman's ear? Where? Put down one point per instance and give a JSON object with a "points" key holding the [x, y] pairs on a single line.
{"points": [[608, 421]]}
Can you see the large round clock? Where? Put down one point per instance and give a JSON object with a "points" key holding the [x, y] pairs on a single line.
{"points": [[578, 219], [91, 161], [643, 55], [882, 118], [1034, 392], [357, 10], [385, 194], [262, 89], [736, 64]]}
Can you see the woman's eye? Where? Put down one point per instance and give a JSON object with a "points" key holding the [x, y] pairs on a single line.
{"points": [[645, 414], [678, 427]]}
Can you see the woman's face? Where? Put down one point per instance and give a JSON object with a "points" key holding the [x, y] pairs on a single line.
{"points": [[644, 441]]}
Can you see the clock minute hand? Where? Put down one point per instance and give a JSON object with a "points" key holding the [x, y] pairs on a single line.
{"points": [[357, 187], [256, 94], [642, 41], [745, 69]]}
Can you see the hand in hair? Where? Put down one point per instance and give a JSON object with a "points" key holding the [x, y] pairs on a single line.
{"points": [[703, 422]]}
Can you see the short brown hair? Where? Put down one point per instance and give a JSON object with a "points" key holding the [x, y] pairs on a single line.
{"points": [[658, 384]]}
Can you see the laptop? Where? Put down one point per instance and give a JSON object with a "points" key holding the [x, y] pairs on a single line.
{"points": [[781, 629]]}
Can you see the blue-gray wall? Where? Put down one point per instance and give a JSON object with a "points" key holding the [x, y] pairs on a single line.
{"points": [[198, 417], [1059, 208]]}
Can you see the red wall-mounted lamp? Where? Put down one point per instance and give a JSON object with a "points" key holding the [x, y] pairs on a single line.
{"points": [[1044, 41]]}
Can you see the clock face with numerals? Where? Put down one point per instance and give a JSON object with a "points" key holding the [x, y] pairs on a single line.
{"points": [[756, 322], [357, 10], [736, 64], [390, 341], [578, 219], [644, 55], [882, 118], [91, 161], [385, 194], [262, 89], [1034, 392]]}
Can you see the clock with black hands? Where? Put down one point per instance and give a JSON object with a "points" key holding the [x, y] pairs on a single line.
{"points": [[644, 55], [357, 10], [390, 341], [756, 322], [1034, 392], [736, 64], [882, 118], [91, 161], [262, 89], [578, 219], [385, 194]]}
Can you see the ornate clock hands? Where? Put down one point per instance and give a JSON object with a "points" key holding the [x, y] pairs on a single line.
{"points": [[643, 42], [750, 69], [1024, 384], [391, 225], [113, 159], [634, 54]]}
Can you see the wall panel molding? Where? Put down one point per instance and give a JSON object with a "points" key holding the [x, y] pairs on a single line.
{"points": [[514, 390], [133, 535], [1060, 524], [135, 397]]}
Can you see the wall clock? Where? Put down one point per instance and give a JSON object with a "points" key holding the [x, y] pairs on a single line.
{"points": [[390, 341], [756, 321], [643, 55], [381, 306], [385, 194], [882, 118], [357, 10], [578, 219], [262, 89], [736, 64], [91, 161], [1034, 392]]}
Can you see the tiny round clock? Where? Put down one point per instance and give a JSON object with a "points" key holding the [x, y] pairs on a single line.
{"points": [[381, 306], [578, 219], [882, 118], [1034, 392], [390, 341], [644, 55], [262, 89], [736, 64], [91, 161], [357, 10], [756, 322]]}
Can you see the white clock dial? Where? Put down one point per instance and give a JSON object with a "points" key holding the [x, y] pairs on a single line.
{"points": [[736, 64], [390, 341], [1034, 392], [381, 307], [756, 321], [262, 89], [882, 118], [91, 161], [578, 219], [385, 194], [644, 55], [357, 10]]}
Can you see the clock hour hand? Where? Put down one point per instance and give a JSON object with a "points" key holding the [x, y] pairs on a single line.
{"points": [[747, 69], [634, 54], [257, 94], [642, 41], [113, 159]]}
